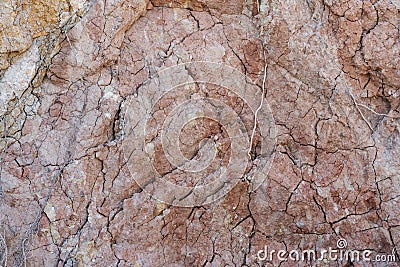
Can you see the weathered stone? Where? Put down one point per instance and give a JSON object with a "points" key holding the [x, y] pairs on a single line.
{"points": [[71, 71]]}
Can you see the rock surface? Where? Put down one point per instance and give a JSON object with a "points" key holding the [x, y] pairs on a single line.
{"points": [[71, 69]]}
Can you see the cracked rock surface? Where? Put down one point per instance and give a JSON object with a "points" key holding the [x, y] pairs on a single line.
{"points": [[69, 69]]}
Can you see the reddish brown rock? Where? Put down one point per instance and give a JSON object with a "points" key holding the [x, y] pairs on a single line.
{"points": [[68, 192]]}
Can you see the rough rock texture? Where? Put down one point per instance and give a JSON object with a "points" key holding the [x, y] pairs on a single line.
{"points": [[70, 68]]}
